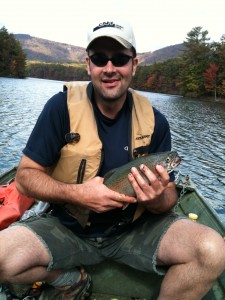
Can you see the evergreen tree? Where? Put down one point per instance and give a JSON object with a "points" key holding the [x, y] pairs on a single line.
{"points": [[12, 57], [196, 58]]}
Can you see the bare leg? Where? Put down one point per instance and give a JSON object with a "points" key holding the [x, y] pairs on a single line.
{"points": [[196, 254], [23, 258]]}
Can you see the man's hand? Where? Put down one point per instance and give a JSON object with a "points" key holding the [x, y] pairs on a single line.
{"points": [[158, 194], [94, 195]]}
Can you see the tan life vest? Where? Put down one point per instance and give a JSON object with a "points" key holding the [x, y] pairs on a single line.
{"points": [[82, 159]]}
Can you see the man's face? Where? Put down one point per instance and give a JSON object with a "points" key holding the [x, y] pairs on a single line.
{"points": [[110, 82]]}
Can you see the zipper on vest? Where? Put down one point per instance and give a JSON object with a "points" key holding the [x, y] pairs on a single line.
{"points": [[81, 171], [130, 153], [101, 162]]}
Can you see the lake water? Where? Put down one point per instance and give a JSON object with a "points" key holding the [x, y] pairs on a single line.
{"points": [[198, 131]]}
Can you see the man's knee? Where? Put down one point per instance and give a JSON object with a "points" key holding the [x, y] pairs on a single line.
{"points": [[210, 250], [20, 249], [187, 241]]}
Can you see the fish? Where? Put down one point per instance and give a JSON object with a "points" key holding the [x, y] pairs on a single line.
{"points": [[117, 179]]}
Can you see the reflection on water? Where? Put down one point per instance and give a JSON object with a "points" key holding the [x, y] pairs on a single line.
{"points": [[198, 131]]}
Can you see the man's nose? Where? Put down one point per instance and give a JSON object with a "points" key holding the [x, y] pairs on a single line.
{"points": [[109, 67]]}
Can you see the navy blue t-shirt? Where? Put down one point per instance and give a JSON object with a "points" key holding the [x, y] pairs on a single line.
{"points": [[48, 137]]}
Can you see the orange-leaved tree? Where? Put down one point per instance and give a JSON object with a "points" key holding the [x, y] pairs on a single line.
{"points": [[210, 76]]}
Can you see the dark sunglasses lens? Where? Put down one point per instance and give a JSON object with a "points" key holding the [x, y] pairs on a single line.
{"points": [[99, 60], [120, 60], [117, 60]]}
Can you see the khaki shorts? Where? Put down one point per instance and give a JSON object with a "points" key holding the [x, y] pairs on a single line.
{"points": [[137, 247]]}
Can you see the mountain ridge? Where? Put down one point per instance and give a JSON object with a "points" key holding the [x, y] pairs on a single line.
{"points": [[39, 49]]}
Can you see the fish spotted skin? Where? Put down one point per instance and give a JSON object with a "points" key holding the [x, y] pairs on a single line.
{"points": [[117, 179]]}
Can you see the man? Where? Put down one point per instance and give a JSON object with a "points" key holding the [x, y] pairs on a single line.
{"points": [[81, 134]]}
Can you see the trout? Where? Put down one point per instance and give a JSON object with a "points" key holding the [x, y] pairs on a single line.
{"points": [[117, 179]]}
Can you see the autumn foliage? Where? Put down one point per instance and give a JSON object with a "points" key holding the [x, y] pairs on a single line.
{"points": [[198, 72], [210, 76]]}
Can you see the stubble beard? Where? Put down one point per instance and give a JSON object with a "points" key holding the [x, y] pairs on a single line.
{"points": [[111, 95]]}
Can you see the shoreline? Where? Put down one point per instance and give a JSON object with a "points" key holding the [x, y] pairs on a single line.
{"points": [[211, 99]]}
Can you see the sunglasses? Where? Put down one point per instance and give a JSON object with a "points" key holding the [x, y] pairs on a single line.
{"points": [[118, 60]]}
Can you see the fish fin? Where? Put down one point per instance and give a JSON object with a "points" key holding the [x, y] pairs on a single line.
{"points": [[109, 174]]}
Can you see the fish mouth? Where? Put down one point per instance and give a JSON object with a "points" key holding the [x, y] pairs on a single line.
{"points": [[174, 164]]}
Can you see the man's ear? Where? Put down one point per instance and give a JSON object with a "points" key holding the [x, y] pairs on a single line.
{"points": [[135, 64], [88, 65]]}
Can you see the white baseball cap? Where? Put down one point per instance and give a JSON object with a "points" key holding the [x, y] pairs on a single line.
{"points": [[119, 30]]}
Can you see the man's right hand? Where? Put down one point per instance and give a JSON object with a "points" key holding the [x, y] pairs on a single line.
{"points": [[94, 195]]}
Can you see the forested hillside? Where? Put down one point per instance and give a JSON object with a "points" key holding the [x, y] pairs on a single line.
{"points": [[38, 49], [161, 55]]}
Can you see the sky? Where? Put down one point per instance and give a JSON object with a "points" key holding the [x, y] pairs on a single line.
{"points": [[156, 23]]}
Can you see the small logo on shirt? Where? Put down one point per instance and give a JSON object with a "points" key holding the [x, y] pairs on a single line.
{"points": [[126, 148]]}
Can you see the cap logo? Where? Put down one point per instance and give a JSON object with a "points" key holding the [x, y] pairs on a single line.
{"points": [[108, 24]]}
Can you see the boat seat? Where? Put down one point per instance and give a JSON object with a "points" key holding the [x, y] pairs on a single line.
{"points": [[112, 278]]}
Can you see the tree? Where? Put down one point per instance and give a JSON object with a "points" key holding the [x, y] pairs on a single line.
{"points": [[210, 78], [220, 61], [223, 88], [196, 57], [12, 57]]}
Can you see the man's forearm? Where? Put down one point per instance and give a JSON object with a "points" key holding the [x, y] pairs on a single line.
{"points": [[38, 184]]}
